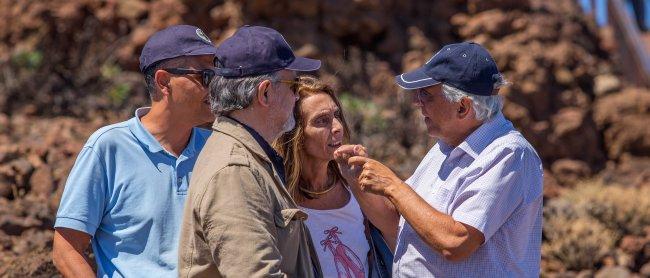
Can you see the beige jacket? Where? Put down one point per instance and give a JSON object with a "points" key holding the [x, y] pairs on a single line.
{"points": [[239, 220]]}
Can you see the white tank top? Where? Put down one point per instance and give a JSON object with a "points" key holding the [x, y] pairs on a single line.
{"points": [[340, 240]]}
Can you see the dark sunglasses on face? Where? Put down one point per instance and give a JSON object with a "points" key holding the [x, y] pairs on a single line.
{"points": [[206, 74]]}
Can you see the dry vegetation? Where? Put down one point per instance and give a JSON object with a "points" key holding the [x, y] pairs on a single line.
{"points": [[68, 67], [597, 224]]}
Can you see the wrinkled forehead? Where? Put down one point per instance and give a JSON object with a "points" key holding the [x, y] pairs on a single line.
{"points": [[318, 103]]}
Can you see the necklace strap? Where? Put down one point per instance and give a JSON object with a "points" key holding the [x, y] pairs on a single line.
{"points": [[316, 194]]}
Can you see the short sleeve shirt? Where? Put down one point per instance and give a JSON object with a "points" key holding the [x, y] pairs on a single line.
{"points": [[492, 181], [128, 193]]}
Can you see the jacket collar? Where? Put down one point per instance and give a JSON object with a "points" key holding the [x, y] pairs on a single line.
{"points": [[237, 131]]}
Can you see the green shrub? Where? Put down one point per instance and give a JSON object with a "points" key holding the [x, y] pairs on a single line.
{"points": [[28, 59], [363, 114], [119, 93], [109, 71]]}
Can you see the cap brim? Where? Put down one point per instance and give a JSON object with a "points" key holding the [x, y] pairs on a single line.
{"points": [[205, 50], [415, 80], [304, 64]]}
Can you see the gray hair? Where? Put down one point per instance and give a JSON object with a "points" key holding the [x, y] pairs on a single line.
{"points": [[485, 107], [229, 94]]}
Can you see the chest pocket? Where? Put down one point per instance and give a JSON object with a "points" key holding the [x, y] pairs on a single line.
{"points": [[284, 218], [288, 222], [435, 193], [440, 198]]}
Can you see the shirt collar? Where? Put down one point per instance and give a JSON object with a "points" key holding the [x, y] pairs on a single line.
{"points": [[145, 137], [476, 142], [191, 148], [141, 133], [260, 140]]}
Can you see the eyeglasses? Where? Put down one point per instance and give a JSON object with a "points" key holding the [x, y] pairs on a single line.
{"points": [[293, 84], [206, 74], [423, 96]]}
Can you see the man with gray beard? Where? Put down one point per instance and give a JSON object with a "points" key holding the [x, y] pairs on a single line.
{"points": [[239, 219]]}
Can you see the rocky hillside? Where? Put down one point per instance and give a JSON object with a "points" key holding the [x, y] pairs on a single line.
{"points": [[69, 67]]}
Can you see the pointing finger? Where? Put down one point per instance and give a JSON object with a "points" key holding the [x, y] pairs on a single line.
{"points": [[349, 149], [360, 150], [358, 160]]}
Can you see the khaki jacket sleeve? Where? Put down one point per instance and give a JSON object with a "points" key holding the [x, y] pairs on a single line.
{"points": [[239, 225]]}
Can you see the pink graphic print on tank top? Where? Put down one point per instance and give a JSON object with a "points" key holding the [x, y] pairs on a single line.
{"points": [[347, 263]]}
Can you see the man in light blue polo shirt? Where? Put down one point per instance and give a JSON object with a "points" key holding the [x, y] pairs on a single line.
{"points": [[473, 207], [126, 191]]}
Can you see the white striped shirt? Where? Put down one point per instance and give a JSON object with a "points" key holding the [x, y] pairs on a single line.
{"points": [[493, 182]]}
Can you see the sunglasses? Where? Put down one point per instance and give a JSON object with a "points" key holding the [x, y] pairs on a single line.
{"points": [[293, 84], [423, 96], [206, 74]]}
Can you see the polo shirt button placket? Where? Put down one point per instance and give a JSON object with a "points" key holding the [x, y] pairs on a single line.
{"points": [[179, 185]]}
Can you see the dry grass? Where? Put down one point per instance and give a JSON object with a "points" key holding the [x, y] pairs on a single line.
{"points": [[583, 225], [622, 209]]}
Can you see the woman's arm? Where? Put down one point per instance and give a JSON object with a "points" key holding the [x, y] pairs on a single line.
{"points": [[378, 209], [453, 239]]}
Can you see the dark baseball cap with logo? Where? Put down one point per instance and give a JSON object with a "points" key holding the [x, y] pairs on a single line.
{"points": [[255, 50], [466, 66], [175, 41]]}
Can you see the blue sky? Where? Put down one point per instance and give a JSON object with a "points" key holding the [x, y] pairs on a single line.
{"points": [[601, 10]]}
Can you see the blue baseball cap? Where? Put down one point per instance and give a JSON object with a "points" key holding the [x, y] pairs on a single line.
{"points": [[175, 41], [255, 50], [466, 66]]}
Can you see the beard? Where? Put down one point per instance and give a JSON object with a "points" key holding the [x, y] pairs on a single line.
{"points": [[289, 124]]}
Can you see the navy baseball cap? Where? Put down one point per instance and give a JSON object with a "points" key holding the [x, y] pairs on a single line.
{"points": [[466, 66], [175, 41], [255, 50]]}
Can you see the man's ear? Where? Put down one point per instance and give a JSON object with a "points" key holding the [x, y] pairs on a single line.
{"points": [[262, 93], [464, 108], [162, 80]]}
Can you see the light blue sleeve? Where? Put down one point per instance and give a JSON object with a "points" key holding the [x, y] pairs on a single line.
{"points": [[84, 196], [492, 197]]}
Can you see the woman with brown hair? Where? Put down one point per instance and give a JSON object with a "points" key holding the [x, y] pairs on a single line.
{"points": [[336, 222]]}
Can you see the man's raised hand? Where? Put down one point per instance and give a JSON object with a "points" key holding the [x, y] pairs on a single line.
{"points": [[374, 177], [343, 154]]}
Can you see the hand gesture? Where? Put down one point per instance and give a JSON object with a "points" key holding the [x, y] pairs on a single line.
{"points": [[375, 177], [342, 154]]}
